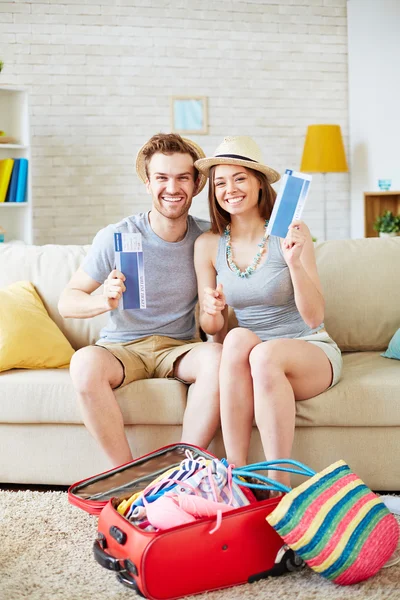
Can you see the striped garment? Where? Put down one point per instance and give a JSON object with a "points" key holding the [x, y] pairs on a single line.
{"points": [[337, 525], [215, 483], [165, 482]]}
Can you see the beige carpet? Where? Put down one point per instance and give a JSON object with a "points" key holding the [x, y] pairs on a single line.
{"points": [[46, 553]]}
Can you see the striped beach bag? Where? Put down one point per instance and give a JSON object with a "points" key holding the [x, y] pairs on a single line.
{"points": [[334, 522]]}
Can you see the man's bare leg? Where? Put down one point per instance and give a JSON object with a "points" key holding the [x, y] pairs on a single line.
{"points": [[95, 372], [200, 367]]}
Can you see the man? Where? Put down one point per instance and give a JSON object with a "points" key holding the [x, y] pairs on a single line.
{"points": [[160, 340]]}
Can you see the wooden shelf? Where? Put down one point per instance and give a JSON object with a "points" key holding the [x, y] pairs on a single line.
{"points": [[16, 217], [12, 147], [375, 204]]}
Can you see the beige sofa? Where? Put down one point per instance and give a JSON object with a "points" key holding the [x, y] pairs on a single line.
{"points": [[43, 439]]}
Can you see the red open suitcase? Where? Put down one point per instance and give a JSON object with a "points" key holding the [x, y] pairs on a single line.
{"points": [[186, 559]]}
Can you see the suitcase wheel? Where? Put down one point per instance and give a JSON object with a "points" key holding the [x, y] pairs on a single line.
{"points": [[286, 561], [293, 561]]}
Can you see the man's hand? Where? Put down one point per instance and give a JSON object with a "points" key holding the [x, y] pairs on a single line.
{"points": [[214, 300], [113, 288]]}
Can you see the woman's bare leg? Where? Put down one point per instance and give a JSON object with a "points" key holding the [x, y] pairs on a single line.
{"points": [[237, 403], [283, 371]]}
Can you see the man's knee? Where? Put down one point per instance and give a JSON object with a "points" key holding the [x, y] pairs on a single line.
{"points": [[91, 367], [210, 360]]}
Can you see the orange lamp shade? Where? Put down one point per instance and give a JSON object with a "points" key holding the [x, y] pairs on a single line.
{"points": [[323, 150]]}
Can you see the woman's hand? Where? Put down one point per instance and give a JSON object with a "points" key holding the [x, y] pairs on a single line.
{"points": [[214, 300], [293, 243], [113, 288]]}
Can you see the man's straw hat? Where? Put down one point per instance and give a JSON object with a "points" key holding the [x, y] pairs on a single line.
{"points": [[141, 168], [238, 150]]}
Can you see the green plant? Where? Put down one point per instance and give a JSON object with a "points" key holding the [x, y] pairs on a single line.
{"points": [[1, 65], [387, 223]]}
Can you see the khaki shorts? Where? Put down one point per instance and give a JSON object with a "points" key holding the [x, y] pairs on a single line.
{"points": [[152, 356], [323, 340]]}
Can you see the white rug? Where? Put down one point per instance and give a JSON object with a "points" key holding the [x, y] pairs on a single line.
{"points": [[46, 554]]}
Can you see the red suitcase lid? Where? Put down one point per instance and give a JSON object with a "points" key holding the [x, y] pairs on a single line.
{"points": [[93, 493]]}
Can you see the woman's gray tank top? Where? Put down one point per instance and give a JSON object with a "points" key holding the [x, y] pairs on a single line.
{"points": [[264, 301]]}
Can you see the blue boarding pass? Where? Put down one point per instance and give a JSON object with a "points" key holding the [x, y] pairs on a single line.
{"points": [[129, 260], [289, 202]]}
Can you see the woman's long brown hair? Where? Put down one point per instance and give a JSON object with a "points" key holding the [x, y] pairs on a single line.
{"points": [[220, 217]]}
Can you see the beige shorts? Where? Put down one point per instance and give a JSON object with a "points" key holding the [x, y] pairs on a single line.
{"points": [[152, 356], [323, 340]]}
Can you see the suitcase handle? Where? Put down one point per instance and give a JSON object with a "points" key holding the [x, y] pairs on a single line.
{"points": [[129, 582], [113, 564], [104, 559]]}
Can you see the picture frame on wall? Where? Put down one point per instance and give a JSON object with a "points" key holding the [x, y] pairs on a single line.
{"points": [[189, 115]]}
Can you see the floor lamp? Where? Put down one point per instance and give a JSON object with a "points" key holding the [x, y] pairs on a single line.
{"points": [[324, 153]]}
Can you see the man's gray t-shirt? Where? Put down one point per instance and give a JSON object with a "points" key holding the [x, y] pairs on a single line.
{"points": [[170, 279]]}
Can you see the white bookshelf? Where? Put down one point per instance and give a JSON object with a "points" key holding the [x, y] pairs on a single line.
{"points": [[16, 217]]}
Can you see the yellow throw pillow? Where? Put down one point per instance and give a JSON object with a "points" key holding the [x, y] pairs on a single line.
{"points": [[29, 339]]}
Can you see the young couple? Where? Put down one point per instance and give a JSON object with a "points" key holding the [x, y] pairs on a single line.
{"points": [[279, 354]]}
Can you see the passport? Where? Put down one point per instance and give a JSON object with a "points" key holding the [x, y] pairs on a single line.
{"points": [[289, 202], [129, 260]]}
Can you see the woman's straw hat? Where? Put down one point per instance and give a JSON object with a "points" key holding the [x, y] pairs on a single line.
{"points": [[141, 167], [238, 150]]}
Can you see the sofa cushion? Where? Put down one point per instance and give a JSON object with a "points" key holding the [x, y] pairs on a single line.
{"points": [[367, 395], [50, 268], [29, 338], [47, 396], [361, 283]]}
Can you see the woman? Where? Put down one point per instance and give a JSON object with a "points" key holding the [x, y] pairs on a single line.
{"points": [[280, 353]]}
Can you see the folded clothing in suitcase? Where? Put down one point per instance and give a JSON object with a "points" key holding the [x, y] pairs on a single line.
{"points": [[202, 555]]}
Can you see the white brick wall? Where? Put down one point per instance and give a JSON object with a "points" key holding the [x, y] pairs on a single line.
{"points": [[101, 72]]}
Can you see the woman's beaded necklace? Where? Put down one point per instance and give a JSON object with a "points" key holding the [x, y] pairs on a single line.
{"points": [[229, 255]]}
